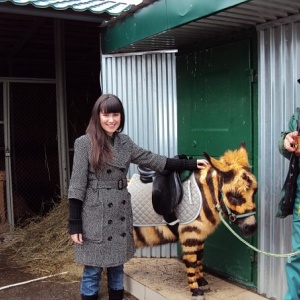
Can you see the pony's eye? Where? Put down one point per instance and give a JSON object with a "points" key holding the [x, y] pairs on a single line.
{"points": [[235, 198]]}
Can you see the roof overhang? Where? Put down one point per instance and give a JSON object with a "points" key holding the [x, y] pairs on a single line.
{"points": [[50, 12], [172, 24], [96, 11]]}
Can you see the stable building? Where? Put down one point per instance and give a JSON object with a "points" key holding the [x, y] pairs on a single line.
{"points": [[194, 76]]}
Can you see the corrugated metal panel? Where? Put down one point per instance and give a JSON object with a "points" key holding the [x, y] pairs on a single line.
{"points": [[146, 84], [113, 7], [279, 94]]}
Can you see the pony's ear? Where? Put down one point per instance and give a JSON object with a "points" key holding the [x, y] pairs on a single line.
{"points": [[231, 158], [243, 156], [217, 164], [242, 145]]}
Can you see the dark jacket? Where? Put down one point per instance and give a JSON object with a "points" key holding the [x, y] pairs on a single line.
{"points": [[291, 127]]}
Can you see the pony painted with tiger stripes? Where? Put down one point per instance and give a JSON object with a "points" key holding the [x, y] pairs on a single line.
{"points": [[228, 185]]}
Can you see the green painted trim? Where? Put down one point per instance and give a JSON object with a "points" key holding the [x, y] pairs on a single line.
{"points": [[255, 141], [158, 17]]}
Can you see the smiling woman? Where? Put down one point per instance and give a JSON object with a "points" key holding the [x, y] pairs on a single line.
{"points": [[110, 122], [100, 221]]}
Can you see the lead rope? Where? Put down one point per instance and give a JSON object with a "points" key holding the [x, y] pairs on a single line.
{"points": [[288, 255]]}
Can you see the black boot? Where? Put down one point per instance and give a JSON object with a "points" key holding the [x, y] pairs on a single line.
{"points": [[93, 297], [115, 294]]}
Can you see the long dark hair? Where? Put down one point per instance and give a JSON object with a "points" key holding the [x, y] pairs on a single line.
{"points": [[101, 151]]}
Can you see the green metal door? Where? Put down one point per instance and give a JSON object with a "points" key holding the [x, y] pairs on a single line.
{"points": [[215, 113]]}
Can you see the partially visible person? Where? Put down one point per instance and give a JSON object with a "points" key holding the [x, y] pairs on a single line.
{"points": [[100, 214], [292, 269]]}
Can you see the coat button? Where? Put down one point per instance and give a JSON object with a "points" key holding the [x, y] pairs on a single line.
{"points": [[123, 219], [123, 202], [123, 234], [108, 171], [110, 204], [109, 238], [109, 221]]}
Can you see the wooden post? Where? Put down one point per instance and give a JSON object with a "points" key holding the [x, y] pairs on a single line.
{"points": [[2, 199]]}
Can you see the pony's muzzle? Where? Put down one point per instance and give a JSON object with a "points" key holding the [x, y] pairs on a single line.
{"points": [[248, 225]]}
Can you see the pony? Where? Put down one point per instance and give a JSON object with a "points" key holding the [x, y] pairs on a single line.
{"points": [[228, 187]]}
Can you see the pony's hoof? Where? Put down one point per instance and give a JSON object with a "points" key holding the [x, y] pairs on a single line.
{"points": [[202, 281], [198, 297], [203, 284], [197, 294]]}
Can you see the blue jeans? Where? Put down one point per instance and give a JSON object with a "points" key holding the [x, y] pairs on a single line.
{"points": [[90, 282]]}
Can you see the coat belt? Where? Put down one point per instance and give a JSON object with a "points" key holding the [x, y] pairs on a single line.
{"points": [[113, 184]]}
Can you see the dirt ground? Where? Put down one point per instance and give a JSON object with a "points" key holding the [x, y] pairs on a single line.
{"points": [[55, 288]]}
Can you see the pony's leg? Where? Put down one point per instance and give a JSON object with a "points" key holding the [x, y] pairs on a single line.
{"points": [[200, 275], [190, 261]]}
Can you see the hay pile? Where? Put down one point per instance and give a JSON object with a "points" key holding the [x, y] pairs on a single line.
{"points": [[44, 247]]}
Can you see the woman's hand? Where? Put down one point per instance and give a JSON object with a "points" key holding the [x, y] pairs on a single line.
{"points": [[77, 238], [289, 142], [202, 163]]}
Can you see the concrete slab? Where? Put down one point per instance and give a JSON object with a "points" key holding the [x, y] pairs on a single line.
{"points": [[165, 279]]}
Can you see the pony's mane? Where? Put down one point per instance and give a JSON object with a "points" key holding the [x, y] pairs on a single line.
{"points": [[236, 157]]}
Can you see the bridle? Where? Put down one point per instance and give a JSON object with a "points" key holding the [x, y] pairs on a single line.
{"points": [[231, 216]]}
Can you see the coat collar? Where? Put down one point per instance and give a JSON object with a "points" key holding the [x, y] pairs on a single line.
{"points": [[120, 149]]}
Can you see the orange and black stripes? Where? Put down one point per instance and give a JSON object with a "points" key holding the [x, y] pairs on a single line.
{"points": [[227, 182]]}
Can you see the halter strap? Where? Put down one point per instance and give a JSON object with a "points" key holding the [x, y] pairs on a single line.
{"points": [[232, 217]]}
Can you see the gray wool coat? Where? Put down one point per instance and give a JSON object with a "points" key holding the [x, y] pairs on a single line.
{"points": [[106, 211]]}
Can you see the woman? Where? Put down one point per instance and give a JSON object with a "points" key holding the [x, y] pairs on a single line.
{"points": [[100, 220]]}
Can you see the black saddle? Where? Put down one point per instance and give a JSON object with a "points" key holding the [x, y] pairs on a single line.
{"points": [[167, 189], [167, 193]]}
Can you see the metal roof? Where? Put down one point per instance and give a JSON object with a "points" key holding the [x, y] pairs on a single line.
{"points": [[113, 7], [251, 14], [244, 16], [17, 21]]}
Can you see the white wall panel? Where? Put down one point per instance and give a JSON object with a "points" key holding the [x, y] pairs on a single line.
{"points": [[146, 84], [279, 94]]}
